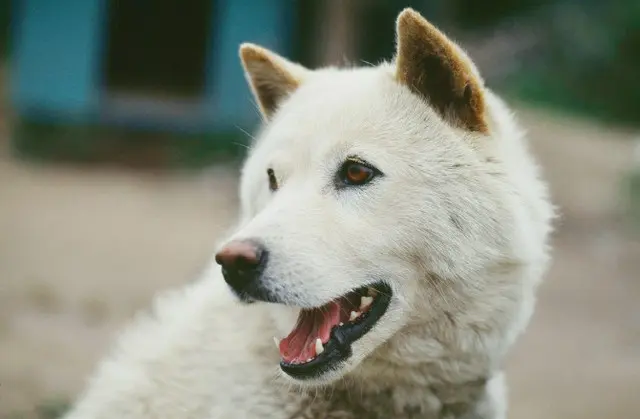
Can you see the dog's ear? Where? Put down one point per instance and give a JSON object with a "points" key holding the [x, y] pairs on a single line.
{"points": [[271, 77], [434, 67]]}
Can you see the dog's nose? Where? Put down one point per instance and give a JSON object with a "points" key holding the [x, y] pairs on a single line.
{"points": [[242, 262]]}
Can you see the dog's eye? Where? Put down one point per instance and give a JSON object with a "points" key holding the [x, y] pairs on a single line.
{"points": [[355, 173]]}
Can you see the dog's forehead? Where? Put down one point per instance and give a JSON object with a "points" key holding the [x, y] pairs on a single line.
{"points": [[342, 111]]}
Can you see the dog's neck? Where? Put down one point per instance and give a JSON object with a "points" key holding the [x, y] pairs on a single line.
{"points": [[439, 381], [363, 396]]}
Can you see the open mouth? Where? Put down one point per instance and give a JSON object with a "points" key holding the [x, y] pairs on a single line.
{"points": [[322, 337]]}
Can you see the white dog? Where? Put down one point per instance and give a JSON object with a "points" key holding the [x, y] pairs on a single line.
{"points": [[396, 213]]}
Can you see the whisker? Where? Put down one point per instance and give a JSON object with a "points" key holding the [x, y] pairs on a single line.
{"points": [[241, 145], [247, 133]]}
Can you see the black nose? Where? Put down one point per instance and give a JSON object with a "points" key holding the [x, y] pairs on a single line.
{"points": [[242, 263]]}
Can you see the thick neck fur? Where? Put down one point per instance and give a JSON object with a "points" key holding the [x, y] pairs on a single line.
{"points": [[428, 384], [425, 387], [449, 366]]}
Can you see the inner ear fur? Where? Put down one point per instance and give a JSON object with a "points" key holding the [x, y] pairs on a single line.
{"points": [[435, 68], [271, 77]]}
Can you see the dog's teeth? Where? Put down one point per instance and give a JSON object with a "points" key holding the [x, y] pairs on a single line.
{"points": [[365, 302], [277, 342], [319, 347], [310, 359], [341, 324], [354, 315]]}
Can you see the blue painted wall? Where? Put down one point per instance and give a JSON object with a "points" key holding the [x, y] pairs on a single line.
{"points": [[56, 57]]}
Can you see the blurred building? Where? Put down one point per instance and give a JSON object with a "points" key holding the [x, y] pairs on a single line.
{"points": [[165, 65]]}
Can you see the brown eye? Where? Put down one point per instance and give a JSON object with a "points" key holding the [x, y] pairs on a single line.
{"points": [[356, 173]]}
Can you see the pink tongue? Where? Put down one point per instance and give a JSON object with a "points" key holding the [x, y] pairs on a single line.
{"points": [[300, 345]]}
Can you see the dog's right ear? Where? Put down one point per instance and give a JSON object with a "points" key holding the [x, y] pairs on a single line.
{"points": [[271, 77]]}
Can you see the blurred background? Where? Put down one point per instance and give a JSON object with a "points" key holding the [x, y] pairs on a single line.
{"points": [[123, 123]]}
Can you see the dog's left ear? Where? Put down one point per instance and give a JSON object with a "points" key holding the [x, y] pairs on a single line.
{"points": [[435, 68], [271, 77]]}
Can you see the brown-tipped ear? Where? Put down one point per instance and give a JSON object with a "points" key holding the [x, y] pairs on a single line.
{"points": [[271, 77], [437, 69]]}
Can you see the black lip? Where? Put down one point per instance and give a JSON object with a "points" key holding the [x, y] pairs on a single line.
{"points": [[253, 294], [338, 348]]}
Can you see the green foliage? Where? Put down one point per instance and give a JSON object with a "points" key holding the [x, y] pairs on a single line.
{"points": [[475, 14], [5, 16], [589, 60], [633, 190], [51, 409]]}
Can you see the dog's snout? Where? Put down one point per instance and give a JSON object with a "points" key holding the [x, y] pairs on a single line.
{"points": [[242, 262]]}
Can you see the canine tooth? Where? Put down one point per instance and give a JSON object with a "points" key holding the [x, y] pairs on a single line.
{"points": [[354, 315], [310, 359], [319, 347], [341, 324], [365, 302], [277, 342]]}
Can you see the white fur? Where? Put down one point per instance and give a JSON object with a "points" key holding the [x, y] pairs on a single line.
{"points": [[458, 226]]}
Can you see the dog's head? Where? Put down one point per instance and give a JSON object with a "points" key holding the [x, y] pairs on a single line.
{"points": [[372, 199]]}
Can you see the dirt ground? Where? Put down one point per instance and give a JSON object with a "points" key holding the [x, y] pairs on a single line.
{"points": [[82, 249]]}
